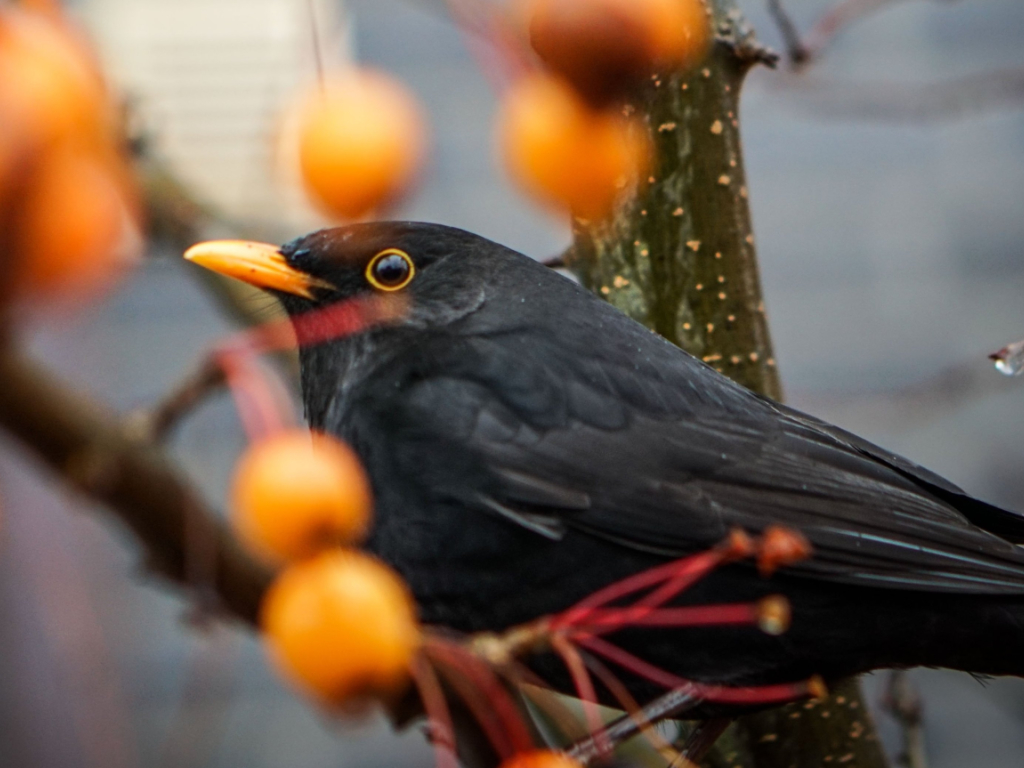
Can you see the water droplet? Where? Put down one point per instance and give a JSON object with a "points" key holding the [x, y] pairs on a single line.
{"points": [[1010, 359]]}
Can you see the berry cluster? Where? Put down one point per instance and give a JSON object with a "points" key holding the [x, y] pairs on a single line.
{"points": [[563, 129], [69, 202]]}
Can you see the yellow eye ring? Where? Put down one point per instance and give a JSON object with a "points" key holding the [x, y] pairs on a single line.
{"points": [[390, 270]]}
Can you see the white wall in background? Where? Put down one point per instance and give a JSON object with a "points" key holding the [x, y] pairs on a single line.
{"points": [[210, 79]]}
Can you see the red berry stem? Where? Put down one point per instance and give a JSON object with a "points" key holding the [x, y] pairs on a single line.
{"points": [[629, 705], [600, 621], [489, 701], [584, 689], [262, 404], [442, 732], [679, 574], [767, 694]]}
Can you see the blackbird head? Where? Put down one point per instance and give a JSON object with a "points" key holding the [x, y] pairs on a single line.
{"points": [[429, 274], [438, 272]]}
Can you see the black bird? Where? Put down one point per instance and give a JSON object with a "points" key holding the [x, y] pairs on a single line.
{"points": [[529, 444]]}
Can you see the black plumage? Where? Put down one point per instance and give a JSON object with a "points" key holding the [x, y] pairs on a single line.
{"points": [[529, 444]]}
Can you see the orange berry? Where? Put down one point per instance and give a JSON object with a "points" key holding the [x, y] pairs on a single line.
{"points": [[779, 547], [605, 47], [681, 32], [49, 80], [341, 625], [602, 47], [562, 151], [72, 220], [294, 494], [361, 142], [541, 758]]}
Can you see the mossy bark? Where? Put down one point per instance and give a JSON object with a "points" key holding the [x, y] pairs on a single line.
{"points": [[680, 257]]}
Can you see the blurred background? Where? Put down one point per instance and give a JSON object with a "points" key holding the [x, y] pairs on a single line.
{"points": [[886, 184]]}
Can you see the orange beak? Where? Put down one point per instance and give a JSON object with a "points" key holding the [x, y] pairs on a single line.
{"points": [[258, 264]]}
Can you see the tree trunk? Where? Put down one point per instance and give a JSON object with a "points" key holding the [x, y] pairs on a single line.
{"points": [[680, 258]]}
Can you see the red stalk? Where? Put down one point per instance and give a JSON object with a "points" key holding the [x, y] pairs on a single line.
{"points": [[679, 573], [260, 408], [584, 689], [767, 694], [432, 696], [498, 714], [608, 619], [630, 706]]}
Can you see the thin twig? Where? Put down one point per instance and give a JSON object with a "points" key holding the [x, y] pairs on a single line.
{"points": [[629, 704], [802, 52], [155, 424], [795, 48], [835, 20], [669, 705], [88, 446]]}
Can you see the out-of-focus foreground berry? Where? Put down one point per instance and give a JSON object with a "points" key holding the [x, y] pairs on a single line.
{"points": [[606, 47], [541, 758], [67, 195], [362, 138], [341, 625], [294, 494], [565, 152]]}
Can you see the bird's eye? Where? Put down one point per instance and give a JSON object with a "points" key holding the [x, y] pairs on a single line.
{"points": [[390, 270]]}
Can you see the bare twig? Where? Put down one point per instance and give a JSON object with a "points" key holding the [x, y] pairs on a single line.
{"points": [[802, 52], [795, 48], [834, 20], [154, 424], [671, 704], [903, 702], [88, 446]]}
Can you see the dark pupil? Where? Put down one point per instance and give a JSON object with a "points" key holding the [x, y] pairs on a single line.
{"points": [[391, 270]]}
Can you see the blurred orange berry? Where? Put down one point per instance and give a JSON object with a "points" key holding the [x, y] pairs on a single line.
{"points": [[67, 188], [294, 494], [49, 80], [602, 47], [342, 625], [563, 151], [605, 47], [73, 218], [362, 138], [681, 31], [541, 758]]}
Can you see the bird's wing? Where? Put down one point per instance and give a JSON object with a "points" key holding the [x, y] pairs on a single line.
{"points": [[658, 452]]}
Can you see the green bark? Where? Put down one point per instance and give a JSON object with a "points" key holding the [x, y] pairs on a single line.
{"points": [[680, 257]]}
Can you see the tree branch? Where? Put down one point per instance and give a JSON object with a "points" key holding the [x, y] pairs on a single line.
{"points": [[89, 448]]}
